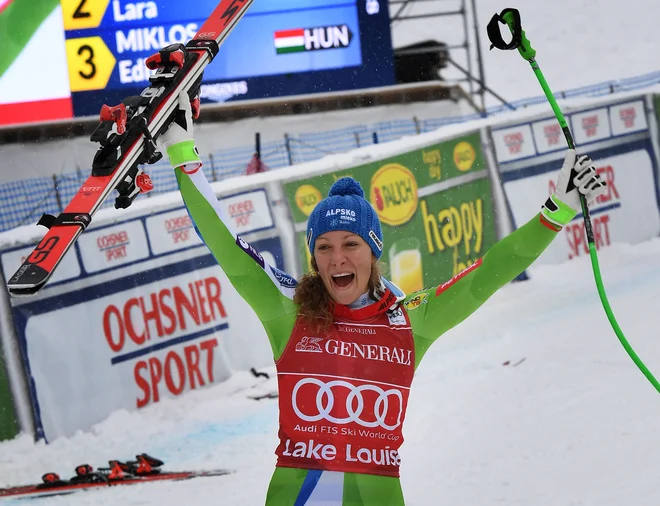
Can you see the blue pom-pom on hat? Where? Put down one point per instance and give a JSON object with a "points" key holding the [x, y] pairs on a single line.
{"points": [[345, 208], [346, 186]]}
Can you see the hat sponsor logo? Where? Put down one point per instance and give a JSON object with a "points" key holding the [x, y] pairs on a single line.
{"points": [[376, 241], [394, 194], [464, 156], [340, 215]]}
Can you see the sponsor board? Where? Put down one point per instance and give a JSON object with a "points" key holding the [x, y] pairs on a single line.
{"points": [[113, 246], [8, 421], [548, 135], [628, 118], [171, 231], [590, 126], [513, 143], [141, 313], [627, 212], [431, 232], [393, 194], [306, 198], [464, 156], [247, 212], [122, 346]]}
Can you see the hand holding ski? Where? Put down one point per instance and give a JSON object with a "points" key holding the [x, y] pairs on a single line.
{"points": [[128, 135]]}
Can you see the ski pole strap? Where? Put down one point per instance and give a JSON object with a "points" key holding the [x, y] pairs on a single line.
{"points": [[519, 41]]}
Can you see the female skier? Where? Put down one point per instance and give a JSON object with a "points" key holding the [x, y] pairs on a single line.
{"points": [[344, 344]]}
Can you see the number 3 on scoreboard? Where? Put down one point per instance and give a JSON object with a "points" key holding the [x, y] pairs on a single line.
{"points": [[90, 63]]}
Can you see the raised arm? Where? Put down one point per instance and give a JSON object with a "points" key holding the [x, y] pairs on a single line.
{"points": [[447, 305], [268, 291]]}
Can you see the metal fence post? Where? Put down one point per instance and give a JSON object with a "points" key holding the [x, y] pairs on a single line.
{"points": [[418, 129], [287, 145], [213, 174], [57, 194]]}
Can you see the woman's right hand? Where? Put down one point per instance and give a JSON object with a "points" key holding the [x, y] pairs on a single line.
{"points": [[178, 142]]}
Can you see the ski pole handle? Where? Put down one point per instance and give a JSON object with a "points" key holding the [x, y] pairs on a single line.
{"points": [[519, 41], [513, 22]]}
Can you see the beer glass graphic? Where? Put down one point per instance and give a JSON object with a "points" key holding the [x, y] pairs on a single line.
{"points": [[406, 265]]}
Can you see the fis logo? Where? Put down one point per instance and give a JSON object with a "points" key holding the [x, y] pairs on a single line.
{"points": [[312, 39]]}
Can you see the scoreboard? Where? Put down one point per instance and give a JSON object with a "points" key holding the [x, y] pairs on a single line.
{"points": [[280, 47]]}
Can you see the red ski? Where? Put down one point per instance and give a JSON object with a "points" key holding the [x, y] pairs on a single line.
{"points": [[145, 469], [127, 134]]}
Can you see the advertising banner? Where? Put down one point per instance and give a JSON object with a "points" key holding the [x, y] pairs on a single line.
{"points": [[8, 424], [140, 311], [434, 204], [616, 136]]}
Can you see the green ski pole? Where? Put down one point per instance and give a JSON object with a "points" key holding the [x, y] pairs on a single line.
{"points": [[519, 41]]}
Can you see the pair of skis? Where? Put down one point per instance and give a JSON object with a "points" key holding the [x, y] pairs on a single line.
{"points": [[128, 134], [144, 469]]}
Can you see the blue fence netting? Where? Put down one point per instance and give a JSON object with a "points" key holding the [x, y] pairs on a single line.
{"points": [[23, 202]]}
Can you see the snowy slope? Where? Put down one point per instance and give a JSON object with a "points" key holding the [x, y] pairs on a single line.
{"points": [[579, 42], [575, 423]]}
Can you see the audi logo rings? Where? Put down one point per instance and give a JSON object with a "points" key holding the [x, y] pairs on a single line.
{"points": [[325, 401]]}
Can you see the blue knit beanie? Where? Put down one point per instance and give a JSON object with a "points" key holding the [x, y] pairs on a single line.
{"points": [[345, 208]]}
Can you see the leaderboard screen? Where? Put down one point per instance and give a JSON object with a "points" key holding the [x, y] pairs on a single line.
{"points": [[279, 48]]}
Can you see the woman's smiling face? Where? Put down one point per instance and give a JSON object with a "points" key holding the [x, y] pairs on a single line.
{"points": [[344, 263]]}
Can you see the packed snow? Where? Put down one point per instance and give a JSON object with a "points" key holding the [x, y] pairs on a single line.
{"points": [[530, 401]]}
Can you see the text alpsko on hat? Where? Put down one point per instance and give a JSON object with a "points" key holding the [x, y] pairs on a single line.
{"points": [[345, 208]]}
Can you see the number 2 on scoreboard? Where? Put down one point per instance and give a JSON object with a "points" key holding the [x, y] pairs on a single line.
{"points": [[82, 14], [79, 12]]}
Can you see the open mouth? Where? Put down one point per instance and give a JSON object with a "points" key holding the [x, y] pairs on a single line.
{"points": [[343, 279]]}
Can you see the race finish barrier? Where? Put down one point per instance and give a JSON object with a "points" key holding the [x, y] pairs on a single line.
{"points": [[617, 135], [139, 310]]}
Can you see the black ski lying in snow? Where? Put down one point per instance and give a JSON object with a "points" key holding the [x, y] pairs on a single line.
{"points": [[142, 470], [128, 134]]}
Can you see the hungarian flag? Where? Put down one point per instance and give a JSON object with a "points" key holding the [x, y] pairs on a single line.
{"points": [[290, 41], [19, 19]]}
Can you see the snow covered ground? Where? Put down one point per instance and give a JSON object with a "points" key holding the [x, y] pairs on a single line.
{"points": [[574, 423]]}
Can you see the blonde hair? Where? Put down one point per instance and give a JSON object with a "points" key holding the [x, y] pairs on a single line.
{"points": [[314, 301]]}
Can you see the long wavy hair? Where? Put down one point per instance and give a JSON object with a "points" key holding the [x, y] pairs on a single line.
{"points": [[314, 301]]}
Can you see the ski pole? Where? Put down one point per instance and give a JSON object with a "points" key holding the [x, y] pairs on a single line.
{"points": [[519, 41]]}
